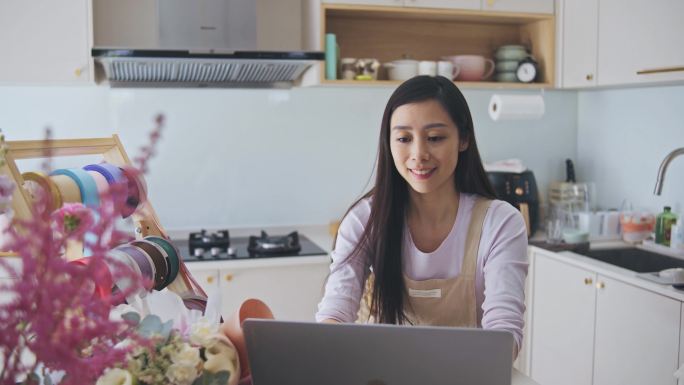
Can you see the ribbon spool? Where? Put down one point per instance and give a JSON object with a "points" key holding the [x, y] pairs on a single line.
{"points": [[68, 189], [102, 277], [86, 185], [114, 176], [144, 261], [137, 190], [123, 283], [49, 188], [160, 264], [171, 254]]}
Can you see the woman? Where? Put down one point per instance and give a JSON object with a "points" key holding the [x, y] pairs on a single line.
{"points": [[441, 249]]}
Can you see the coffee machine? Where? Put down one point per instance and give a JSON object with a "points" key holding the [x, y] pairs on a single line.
{"points": [[520, 190]]}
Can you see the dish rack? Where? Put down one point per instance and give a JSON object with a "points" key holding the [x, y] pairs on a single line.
{"points": [[145, 221]]}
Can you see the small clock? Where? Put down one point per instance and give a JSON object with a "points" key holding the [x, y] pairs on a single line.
{"points": [[527, 70]]}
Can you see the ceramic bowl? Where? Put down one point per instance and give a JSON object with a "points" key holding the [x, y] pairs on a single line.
{"points": [[511, 52], [506, 65], [507, 77]]}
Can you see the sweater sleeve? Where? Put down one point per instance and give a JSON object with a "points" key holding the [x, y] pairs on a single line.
{"points": [[505, 270], [345, 283]]}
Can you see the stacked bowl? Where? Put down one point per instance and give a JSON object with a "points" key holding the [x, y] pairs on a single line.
{"points": [[507, 59]]}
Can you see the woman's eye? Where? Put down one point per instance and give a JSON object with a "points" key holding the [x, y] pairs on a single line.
{"points": [[435, 138], [403, 139]]}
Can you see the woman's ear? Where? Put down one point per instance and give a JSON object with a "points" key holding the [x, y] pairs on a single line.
{"points": [[463, 146]]}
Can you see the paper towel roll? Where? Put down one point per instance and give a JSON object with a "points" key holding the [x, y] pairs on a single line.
{"points": [[511, 107]]}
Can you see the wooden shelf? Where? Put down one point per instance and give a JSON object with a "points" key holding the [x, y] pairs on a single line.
{"points": [[392, 33], [471, 85]]}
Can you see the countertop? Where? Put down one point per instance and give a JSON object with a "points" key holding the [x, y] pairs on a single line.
{"points": [[613, 271]]}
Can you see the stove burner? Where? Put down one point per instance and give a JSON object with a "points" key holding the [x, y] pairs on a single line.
{"points": [[266, 244], [216, 243]]}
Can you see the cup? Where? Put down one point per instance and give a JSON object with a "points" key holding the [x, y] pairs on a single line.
{"points": [[251, 308], [427, 67], [348, 68], [446, 69], [471, 67]]}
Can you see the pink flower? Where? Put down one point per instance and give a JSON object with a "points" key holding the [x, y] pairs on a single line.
{"points": [[73, 220], [6, 191]]}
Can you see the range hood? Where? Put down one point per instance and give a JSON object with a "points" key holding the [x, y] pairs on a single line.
{"points": [[200, 43]]}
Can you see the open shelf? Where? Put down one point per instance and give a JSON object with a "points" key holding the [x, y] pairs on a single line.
{"points": [[392, 33]]}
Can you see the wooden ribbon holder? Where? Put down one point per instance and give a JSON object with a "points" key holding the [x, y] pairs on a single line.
{"points": [[145, 219]]}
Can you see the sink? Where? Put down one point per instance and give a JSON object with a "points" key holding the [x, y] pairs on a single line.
{"points": [[637, 260]]}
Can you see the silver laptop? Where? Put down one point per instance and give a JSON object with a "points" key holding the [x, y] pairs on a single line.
{"points": [[306, 353]]}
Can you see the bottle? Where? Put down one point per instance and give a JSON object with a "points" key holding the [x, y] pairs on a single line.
{"points": [[663, 229], [677, 235]]}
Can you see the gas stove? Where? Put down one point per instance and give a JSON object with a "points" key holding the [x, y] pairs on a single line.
{"points": [[218, 245]]}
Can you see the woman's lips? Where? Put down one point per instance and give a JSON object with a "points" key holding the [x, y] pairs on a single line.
{"points": [[422, 174]]}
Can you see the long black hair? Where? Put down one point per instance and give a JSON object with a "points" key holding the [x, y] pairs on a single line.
{"points": [[383, 234]]}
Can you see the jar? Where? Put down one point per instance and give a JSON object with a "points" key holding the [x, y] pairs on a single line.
{"points": [[348, 68]]}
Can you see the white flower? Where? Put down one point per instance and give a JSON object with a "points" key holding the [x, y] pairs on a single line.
{"points": [[115, 377], [202, 332], [187, 355], [181, 374]]}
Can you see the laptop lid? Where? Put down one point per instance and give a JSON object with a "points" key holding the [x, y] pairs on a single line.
{"points": [[303, 353]]}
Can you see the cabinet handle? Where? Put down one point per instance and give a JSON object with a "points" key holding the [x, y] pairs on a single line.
{"points": [[210, 279], [79, 71], [590, 77], [588, 281], [229, 277], [660, 70], [600, 285]]}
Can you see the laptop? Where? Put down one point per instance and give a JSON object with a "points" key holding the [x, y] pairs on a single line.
{"points": [[307, 353]]}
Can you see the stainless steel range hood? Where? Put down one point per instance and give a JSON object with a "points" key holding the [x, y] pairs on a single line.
{"points": [[200, 43]]}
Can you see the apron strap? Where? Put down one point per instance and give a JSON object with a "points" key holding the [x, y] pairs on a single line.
{"points": [[472, 245]]}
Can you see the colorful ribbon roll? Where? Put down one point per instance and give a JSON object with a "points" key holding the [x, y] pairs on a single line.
{"points": [[137, 190], [144, 262], [100, 182], [102, 277], [172, 256], [86, 185], [160, 264], [48, 186], [123, 282], [68, 189]]}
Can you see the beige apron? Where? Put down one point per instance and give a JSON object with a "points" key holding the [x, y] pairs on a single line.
{"points": [[442, 302]]}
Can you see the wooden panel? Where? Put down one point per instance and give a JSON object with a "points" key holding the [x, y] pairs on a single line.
{"points": [[539, 36]]}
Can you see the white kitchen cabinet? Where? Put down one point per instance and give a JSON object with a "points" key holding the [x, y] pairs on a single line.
{"points": [[577, 51], [681, 342], [562, 323], [637, 335], [292, 290], [640, 41], [522, 6], [45, 41]]}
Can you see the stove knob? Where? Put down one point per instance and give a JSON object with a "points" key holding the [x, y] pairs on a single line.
{"points": [[199, 252], [231, 251], [215, 251]]}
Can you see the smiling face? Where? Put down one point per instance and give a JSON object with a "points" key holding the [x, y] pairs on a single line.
{"points": [[425, 144]]}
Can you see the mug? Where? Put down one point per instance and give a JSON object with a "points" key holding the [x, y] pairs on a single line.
{"points": [[427, 67], [446, 69], [471, 67]]}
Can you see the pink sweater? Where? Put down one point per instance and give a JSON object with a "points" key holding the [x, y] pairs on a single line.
{"points": [[499, 279]]}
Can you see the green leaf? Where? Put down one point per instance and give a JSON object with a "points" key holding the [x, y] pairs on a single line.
{"points": [[207, 378], [166, 329], [151, 325], [132, 318]]}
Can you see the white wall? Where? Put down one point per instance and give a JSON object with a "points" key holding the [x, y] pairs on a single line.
{"points": [[242, 158], [623, 135]]}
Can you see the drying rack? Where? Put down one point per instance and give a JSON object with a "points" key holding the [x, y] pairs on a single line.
{"points": [[145, 220]]}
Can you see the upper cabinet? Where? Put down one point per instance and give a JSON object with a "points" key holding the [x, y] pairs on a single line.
{"points": [[45, 42], [577, 50], [640, 41], [526, 6], [521, 6], [619, 42]]}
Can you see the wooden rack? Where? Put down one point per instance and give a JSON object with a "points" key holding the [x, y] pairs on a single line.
{"points": [[112, 151]]}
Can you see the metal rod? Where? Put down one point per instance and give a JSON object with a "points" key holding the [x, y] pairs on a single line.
{"points": [[663, 168]]}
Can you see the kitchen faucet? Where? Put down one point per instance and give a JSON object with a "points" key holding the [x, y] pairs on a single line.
{"points": [[663, 168]]}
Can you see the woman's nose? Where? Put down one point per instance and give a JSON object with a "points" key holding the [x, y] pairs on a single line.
{"points": [[419, 150]]}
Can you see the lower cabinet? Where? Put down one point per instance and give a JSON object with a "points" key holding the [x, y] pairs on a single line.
{"points": [[588, 329], [562, 323], [292, 291], [637, 335]]}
